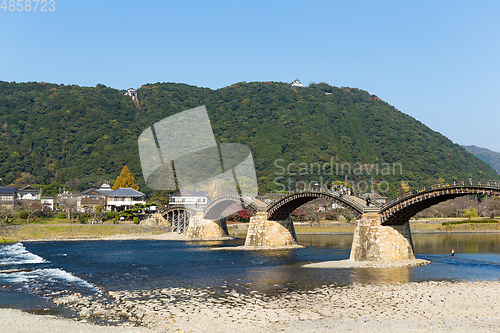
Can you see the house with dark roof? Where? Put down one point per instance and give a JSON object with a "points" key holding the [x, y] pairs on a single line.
{"points": [[89, 199], [124, 198], [29, 193], [7, 196]]}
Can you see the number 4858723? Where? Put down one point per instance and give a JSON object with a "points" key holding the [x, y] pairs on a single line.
{"points": [[28, 5]]}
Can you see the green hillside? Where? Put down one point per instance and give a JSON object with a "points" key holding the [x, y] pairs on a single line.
{"points": [[78, 135], [489, 156]]}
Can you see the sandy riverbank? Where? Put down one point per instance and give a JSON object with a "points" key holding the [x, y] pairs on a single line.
{"points": [[368, 264], [408, 307], [16, 321]]}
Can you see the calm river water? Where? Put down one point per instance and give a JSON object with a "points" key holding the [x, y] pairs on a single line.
{"points": [[91, 266]]}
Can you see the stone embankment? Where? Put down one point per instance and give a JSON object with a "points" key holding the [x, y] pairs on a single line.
{"points": [[416, 307]]}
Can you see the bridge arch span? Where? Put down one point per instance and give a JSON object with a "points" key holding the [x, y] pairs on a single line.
{"points": [[177, 217], [401, 209], [214, 210], [281, 208]]}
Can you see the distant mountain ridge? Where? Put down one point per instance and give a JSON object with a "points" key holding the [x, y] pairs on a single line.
{"points": [[80, 135], [489, 156]]}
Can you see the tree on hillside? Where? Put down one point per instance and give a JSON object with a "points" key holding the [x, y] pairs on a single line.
{"points": [[25, 179], [403, 188], [125, 179]]}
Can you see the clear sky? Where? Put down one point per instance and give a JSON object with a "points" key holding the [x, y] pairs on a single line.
{"points": [[438, 61]]}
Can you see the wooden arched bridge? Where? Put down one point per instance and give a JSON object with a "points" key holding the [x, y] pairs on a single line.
{"points": [[400, 209], [382, 231], [396, 211]]}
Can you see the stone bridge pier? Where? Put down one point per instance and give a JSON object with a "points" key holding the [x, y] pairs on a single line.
{"points": [[200, 228], [265, 233], [375, 242]]}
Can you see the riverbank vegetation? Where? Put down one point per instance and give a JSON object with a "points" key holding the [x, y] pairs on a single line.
{"points": [[467, 207], [78, 231], [4, 240]]}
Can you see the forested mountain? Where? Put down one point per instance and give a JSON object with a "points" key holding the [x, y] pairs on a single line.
{"points": [[489, 156], [78, 135]]}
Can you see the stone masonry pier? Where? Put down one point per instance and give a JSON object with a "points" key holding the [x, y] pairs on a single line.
{"points": [[200, 228], [265, 233], [375, 242]]}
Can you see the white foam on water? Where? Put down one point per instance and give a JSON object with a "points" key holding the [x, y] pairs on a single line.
{"points": [[16, 254], [45, 275]]}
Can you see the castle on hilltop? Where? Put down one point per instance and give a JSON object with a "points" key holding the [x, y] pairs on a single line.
{"points": [[297, 83], [132, 93]]}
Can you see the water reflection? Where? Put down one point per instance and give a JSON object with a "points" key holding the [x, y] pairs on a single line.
{"points": [[460, 242], [477, 257], [439, 243], [334, 241], [381, 275]]}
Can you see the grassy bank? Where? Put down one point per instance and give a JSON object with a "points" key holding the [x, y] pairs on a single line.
{"points": [[80, 231], [462, 226], [416, 226], [468, 222], [7, 240]]}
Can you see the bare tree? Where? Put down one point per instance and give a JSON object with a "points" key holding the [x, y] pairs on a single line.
{"points": [[312, 212], [33, 208], [6, 213], [67, 202], [348, 215]]}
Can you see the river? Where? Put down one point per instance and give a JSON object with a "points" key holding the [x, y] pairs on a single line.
{"points": [[91, 267]]}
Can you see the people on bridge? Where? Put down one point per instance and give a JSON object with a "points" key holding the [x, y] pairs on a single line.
{"points": [[470, 181], [368, 201]]}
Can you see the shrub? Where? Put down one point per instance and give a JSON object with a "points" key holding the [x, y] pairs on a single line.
{"points": [[469, 222], [61, 216], [23, 215], [82, 217], [110, 215], [136, 220]]}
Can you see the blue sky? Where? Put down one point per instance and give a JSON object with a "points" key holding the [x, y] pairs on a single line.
{"points": [[438, 61]]}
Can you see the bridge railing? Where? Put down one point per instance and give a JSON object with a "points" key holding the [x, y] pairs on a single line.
{"points": [[247, 199], [488, 184], [200, 208], [338, 194]]}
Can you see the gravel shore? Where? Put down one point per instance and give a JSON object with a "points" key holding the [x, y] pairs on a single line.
{"points": [[409, 307]]}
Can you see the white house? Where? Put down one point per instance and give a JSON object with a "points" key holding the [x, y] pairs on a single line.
{"points": [[124, 198], [48, 203]]}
